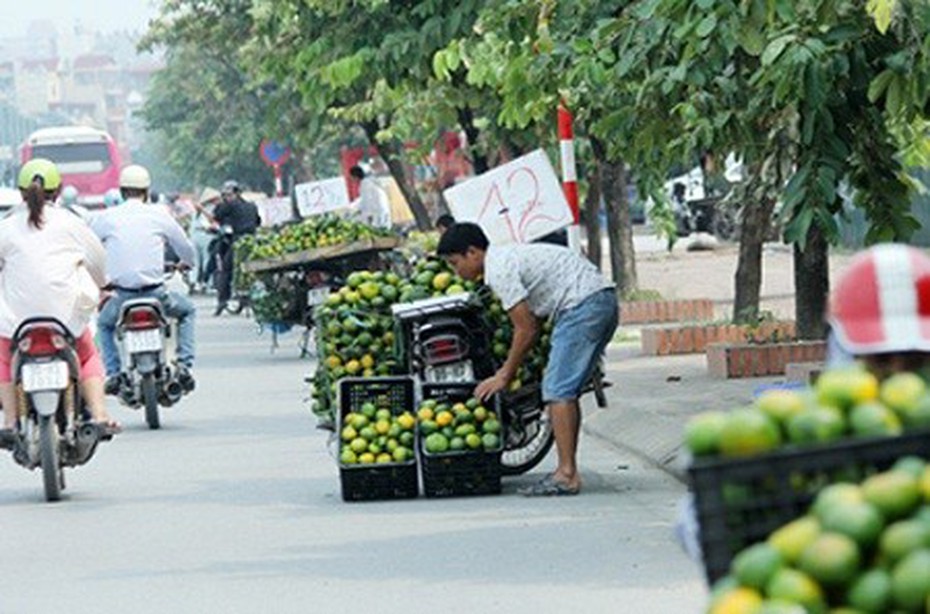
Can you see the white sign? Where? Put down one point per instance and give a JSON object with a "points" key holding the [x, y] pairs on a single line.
{"points": [[323, 196], [514, 203], [275, 211]]}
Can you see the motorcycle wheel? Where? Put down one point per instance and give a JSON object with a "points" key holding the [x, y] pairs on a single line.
{"points": [[150, 400], [48, 455], [530, 449]]}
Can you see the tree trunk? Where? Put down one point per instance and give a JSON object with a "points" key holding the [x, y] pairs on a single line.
{"points": [[592, 220], [391, 154], [757, 217], [811, 284], [619, 224], [479, 161]]}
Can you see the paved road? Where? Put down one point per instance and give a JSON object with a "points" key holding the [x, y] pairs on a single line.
{"points": [[234, 506]]}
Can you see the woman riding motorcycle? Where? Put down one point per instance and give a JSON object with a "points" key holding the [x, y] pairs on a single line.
{"points": [[51, 265]]}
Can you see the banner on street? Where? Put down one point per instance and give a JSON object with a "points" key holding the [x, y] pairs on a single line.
{"points": [[514, 203], [318, 197], [275, 211]]}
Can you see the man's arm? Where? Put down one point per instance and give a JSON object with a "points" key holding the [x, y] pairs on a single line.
{"points": [[95, 257], [525, 327], [178, 240], [220, 213]]}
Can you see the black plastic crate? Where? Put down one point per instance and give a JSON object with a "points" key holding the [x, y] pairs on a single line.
{"points": [[741, 501], [380, 481], [460, 473]]}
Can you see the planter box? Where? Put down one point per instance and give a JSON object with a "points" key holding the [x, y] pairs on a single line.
{"points": [[656, 312], [729, 361], [694, 338]]}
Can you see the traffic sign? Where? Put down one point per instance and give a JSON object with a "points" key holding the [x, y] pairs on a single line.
{"points": [[273, 152]]}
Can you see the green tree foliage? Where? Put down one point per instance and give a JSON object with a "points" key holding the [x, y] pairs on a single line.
{"points": [[208, 110]]}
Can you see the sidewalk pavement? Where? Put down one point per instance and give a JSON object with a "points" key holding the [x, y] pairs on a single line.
{"points": [[651, 399]]}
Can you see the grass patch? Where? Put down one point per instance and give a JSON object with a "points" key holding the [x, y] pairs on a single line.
{"points": [[642, 295], [627, 336]]}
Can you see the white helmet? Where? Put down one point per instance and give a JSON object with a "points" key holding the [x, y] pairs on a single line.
{"points": [[135, 177]]}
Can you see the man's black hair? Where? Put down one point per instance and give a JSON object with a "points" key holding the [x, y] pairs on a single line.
{"points": [[357, 172], [445, 220], [460, 237]]}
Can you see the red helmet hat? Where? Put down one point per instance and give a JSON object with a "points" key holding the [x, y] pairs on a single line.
{"points": [[882, 301]]}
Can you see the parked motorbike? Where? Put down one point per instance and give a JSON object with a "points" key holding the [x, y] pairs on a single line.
{"points": [[147, 340], [53, 428], [446, 340]]}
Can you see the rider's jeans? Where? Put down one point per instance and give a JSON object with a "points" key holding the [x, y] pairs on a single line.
{"points": [[176, 306]]}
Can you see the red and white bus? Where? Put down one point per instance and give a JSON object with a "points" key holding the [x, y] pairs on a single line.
{"points": [[87, 158]]}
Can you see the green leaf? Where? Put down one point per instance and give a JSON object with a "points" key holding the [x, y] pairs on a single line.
{"points": [[775, 48], [440, 68], [706, 26], [797, 228], [893, 95], [881, 11], [645, 10], [880, 84], [751, 40]]}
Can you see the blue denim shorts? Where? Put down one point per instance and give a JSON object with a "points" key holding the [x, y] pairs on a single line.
{"points": [[578, 340]]}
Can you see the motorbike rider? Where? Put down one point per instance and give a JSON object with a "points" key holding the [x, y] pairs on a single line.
{"points": [[51, 264], [243, 218], [536, 281], [134, 236], [879, 311]]}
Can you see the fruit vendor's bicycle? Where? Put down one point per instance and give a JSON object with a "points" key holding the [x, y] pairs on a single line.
{"points": [[449, 340]]}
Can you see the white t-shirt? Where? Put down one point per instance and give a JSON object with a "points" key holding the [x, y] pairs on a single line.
{"points": [[549, 277], [54, 271], [134, 235], [373, 206]]}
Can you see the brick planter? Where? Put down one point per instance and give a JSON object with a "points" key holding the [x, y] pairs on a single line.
{"points": [[729, 361], [694, 338], [656, 312]]}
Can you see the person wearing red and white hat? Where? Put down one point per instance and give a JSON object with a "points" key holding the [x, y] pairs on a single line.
{"points": [[879, 310]]}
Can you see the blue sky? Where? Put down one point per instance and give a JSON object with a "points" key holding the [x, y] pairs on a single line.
{"points": [[95, 14]]}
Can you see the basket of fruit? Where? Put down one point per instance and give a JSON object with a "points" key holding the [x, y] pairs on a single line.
{"points": [[860, 547], [377, 430], [460, 442], [758, 468]]}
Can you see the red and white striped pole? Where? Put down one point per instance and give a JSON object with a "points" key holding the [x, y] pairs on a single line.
{"points": [[569, 174]]}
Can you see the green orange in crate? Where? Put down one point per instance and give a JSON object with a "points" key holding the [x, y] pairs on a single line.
{"points": [[377, 435], [460, 442], [454, 427]]}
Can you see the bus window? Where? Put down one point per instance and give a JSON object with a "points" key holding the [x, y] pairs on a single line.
{"points": [[76, 157]]}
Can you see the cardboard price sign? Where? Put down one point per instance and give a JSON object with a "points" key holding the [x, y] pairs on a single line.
{"points": [[275, 211], [514, 203], [320, 197]]}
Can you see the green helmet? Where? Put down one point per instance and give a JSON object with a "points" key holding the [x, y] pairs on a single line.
{"points": [[39, 167]]}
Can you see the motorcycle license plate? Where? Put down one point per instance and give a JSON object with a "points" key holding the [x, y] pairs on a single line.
{"points": [[317, 296], [451, 373], [143, 340], [45, 376]]}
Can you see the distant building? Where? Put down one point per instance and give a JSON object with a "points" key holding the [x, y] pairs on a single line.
{"points": [[38, 85], [79, 77]]}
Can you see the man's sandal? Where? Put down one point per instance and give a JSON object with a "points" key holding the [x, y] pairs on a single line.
{"points": [[549, 487]]}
